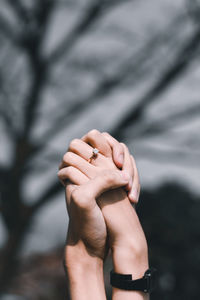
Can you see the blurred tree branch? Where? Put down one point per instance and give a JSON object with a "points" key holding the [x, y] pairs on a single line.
{"points": [[54, 189], [109, 83], [193, 8], [18, 9], [89, 18], [6, 29], [32, 44], [181, 62], [169, 122], [17, 224]]}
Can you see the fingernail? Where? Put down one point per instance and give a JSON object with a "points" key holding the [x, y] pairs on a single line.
{"points": [[121, 158], [134, 195], [125, 175]]}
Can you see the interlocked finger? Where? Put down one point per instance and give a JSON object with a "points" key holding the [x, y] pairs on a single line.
{"points": [[97, 140], [117, 149], [85, 195], [84, 150], [73, 175], [74, 160]]}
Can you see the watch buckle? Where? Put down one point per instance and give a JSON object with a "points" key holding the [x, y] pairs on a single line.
{"points": [[148, 283], [150, 280]]}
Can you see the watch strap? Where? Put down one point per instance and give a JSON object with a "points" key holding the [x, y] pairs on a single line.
{"points": [[145, 284]]}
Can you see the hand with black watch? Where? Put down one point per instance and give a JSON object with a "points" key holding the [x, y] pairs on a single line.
{"points": [[101, 190]]}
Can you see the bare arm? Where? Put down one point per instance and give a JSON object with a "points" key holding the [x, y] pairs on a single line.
{"points": [[131, 258], [85, 248], [126, 237], [85, 274]]}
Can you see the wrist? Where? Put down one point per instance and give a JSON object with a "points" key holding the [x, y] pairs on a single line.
{"points": [[77, 259], [83, 269], [130, 257]]}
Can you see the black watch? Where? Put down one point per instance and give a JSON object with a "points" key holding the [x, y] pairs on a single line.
{"points": [[145, 284]]}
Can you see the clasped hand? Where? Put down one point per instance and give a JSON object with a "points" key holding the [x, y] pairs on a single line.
{"points": [[99, 193]]}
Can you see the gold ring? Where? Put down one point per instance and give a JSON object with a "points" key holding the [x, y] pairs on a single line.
{"points": [[95, 151]]}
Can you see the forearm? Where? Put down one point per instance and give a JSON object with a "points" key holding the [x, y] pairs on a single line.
{"points": [[126, 262], [85, 274], [130, 256]]}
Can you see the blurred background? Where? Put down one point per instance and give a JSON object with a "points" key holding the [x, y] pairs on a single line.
{"points": [[129, 67]]}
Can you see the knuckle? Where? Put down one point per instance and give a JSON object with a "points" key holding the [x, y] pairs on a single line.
{"points": [[93, 133], [125, 148], [68, 156], [105, 134], [109, 177], [73, 144], [75, 195], [80, 198], [123, 145], [69, 171], [110, 180]]}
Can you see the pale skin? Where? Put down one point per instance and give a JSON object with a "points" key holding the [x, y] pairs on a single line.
{"points": [[102, 216]]}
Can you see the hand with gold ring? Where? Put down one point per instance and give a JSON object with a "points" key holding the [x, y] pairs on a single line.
{"points": [[109, 148], [95, 151], [76, 168]]}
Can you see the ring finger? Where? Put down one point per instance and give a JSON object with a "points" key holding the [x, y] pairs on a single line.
{"points": [[84, 150], [97, 140]]}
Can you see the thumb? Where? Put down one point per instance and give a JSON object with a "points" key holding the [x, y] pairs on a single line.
{"points": [[84, 196], [117, 149], [107, 180]]}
